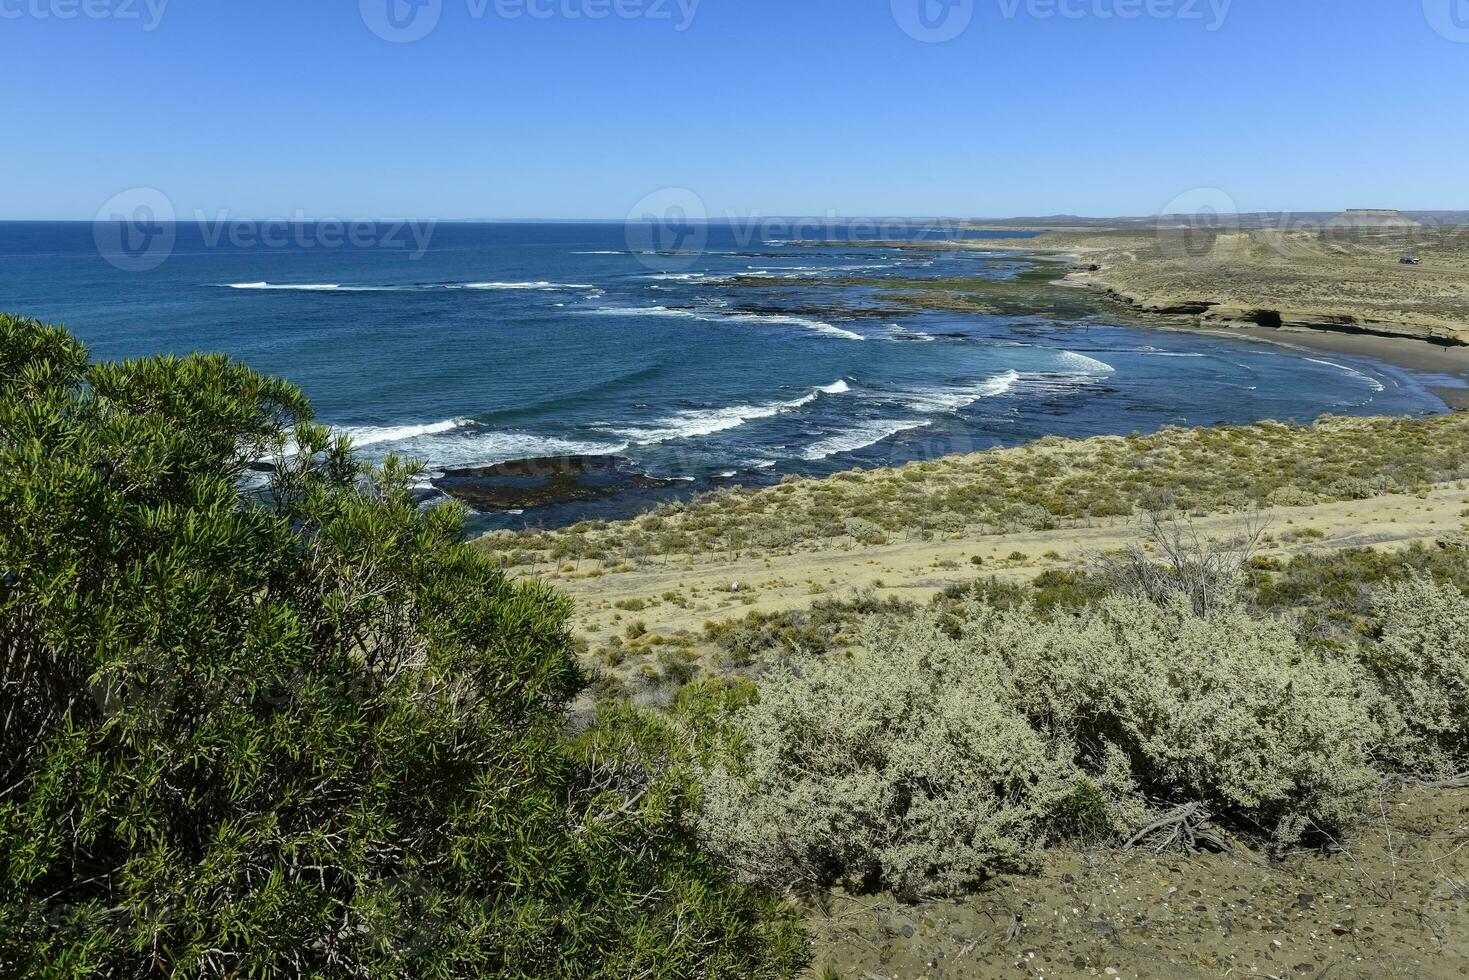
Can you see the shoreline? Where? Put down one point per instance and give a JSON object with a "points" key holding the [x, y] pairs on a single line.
{"points": [[1448, 364], [1420, 356]]}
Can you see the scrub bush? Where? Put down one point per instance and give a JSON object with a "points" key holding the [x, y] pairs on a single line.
{"points": [[1421, 658], [964, 741], [1221, 708], [902, 770]]}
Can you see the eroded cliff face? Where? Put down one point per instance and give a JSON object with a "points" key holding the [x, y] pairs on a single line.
{"points": [[1345, 279], [1223, 314]]}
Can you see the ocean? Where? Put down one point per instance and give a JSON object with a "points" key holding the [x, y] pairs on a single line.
{"points": [[729, 362]]}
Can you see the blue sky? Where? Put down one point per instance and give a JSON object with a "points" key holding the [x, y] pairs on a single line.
{"points": [[273, 107]]}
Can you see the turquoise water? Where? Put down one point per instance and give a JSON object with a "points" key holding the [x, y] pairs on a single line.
{"points": [[507, 341]]}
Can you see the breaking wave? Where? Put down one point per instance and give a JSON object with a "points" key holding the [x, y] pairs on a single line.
{"points": [[1373, 382], [860, 436], [717, 316], [952, 399], [373, 435], [694, 422]]}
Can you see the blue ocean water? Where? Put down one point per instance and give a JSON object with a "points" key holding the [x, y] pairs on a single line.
{"points": [[506, 341]]}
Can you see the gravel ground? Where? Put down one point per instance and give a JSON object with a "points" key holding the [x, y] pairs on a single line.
{"points": [[1393, 904]]}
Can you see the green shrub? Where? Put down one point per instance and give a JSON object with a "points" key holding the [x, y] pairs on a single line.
{"points": [[899, 770], [303, 730], [863, 531], [1422, 659], [828, 625], [964, 740], [1332, 593], [1221, 709]]}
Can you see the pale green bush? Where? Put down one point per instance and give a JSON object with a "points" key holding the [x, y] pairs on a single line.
{"points": [[864, 531], [957, 747], [1221, 709], [1290, 496], [903, 770], [1422, 662]]}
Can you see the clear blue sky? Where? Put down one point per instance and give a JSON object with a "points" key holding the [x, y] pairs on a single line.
{"points": [[778, 106]]}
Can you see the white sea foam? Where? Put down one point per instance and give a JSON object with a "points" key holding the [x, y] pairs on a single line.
{"points": [[1082, 364], [716, 316], [646, 311], [459, 442], [487, 448], [318, 287], [805, 323], [372, 435], [694, 422], [603, 252], [1155, 352], [912, 336], [860, 436], [952, 399], [1373, 382], [312, 287], [522, 285]]}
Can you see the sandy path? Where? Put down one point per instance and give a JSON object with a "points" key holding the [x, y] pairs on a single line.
{"points": [[919, 569]]}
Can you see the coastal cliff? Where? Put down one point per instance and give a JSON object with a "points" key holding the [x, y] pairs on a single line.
{"points": [[1339, 278]]}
